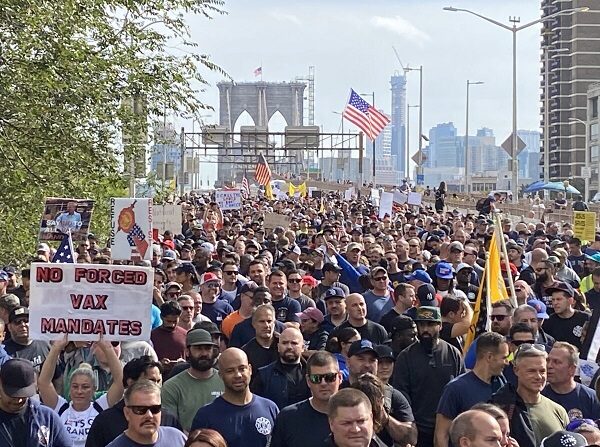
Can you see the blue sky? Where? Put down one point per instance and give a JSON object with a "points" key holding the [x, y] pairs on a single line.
{"points": [[350, 44]]}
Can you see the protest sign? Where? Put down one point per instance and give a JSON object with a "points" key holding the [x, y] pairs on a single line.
{"points": [[86, 300], [229, 199], [386, 202], [316, 194], [273, 220], [349, 193], [584, 225], [166, 217], [375, 196], [400, 198], [414, 198], [63, 215], [131, 229]]}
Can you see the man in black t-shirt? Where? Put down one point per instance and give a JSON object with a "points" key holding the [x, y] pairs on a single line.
{"points": [[305, 423], [566, 323], [357, 318]]}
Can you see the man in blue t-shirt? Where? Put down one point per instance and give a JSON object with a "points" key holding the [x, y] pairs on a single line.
{"points": [[212, 307], [473, 387], [286, 308], [242, 418], [578, 400]]}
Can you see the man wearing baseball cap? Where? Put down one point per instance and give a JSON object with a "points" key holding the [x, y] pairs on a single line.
{"points": [[335, 304], [566, 323], [197, 386], [212, 307], [315, 337], [424, 368], [23, 421]]}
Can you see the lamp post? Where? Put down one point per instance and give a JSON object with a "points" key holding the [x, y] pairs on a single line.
{"points": [[331, 160], [586, 179], [467, 182], [514, 29], [420, 153], [408, 107]]}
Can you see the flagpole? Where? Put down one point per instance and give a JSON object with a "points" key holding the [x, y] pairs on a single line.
{"points": [[374, 166], [500, 235]]}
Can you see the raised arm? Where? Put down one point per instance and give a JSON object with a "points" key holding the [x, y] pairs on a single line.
{"points": [[48, 393], [115, 392]]}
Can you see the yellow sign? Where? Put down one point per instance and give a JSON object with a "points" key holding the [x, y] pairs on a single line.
{"points": [[584, 225]]}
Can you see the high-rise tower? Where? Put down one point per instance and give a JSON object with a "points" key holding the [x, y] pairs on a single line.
{"points": [[398, 149]]}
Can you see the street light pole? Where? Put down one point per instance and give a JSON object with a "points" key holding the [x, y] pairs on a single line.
{"points": [[467, 152], [514, 29], [586, 179], [408, 107]]}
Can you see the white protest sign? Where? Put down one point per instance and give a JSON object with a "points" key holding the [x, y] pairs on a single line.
{"points": [[229, 199], [273, 220], [349, 193], [386, 202], [166, 217], [375, 196], [400, 198], [414, 198], [131, 229], [86, 300]]}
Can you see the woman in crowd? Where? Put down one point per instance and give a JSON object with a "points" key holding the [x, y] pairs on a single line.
{"points": [[205, 438], [440, 197], [78, 415]]}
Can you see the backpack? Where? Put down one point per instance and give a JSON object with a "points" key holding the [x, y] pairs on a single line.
{"points": [[65, 407]]}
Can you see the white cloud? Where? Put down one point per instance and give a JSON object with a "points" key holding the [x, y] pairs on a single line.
{"points": [[401, 27], [283, 17]]}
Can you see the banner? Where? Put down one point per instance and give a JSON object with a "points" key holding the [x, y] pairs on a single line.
{"points": [[273, 220], [62, 215], [414, 198], [131, 229], [86, 300], [167, 217], [349, 193], [386, 202], [229, 199], [584, 225], [400, 198]]}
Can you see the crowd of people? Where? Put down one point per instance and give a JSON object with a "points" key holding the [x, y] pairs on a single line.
{"points": [[340, 328]]}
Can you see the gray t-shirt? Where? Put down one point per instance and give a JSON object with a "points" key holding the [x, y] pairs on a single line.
{"points": [[167, 437]]}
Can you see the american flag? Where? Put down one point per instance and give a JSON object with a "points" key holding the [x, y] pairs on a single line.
{"points": [[245, 187], [65, 253], [258, 71], [366, 117], [262, 174]]}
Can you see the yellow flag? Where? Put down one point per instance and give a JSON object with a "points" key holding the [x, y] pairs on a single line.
{"points": [[322, 209], [291, 189], [303, 189], [269, 191], [474, 329], [497, 287]]}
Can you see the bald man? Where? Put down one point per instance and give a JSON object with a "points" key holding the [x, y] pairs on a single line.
{"points": [[474, 428], [242, 418], [357, 319], [283, 381]]}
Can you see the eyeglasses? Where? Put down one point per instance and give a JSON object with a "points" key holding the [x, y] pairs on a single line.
{"points": [[173, 294], [230, 272], [518, 289], [521, 342], [498, 317], [141, 410], [380, 278], [212, 285], [315, 379], [526, 347], [187, 307], [294, 281]]}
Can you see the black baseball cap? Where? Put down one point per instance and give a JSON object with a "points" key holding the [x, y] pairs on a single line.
{"points": [[18, 378], [426, 295], [561, 286], [385, 352], [249, 287], [329, 267], [360, 347], [18, 313], [334, 292]]}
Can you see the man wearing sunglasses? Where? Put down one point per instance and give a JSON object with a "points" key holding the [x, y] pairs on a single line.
{"points": [[305, 423], [379, 298], [143, 413], [533, 416], [213, 307]]}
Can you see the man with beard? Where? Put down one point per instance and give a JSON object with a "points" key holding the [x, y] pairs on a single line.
{"points": [[545, 271], [283, 381], [502, 317], [403, 333], [473, 387], [423, 369], [193, 388], [305, 423], [242, 418], [169, 340]]}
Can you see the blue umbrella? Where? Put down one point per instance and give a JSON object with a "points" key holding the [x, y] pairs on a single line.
{"points": [[535, 186], [560, 187]]}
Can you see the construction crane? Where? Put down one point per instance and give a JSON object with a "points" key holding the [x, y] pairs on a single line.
{"points": [[405, 69]]}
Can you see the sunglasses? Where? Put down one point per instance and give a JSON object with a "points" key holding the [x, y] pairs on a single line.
{"points": [[187, 307], [141, 410], [498, 317], [315, 379], [294, 281], [521, 342], [230, 272], [212, 285], [525, 347], [173, 294], [380, 278]]}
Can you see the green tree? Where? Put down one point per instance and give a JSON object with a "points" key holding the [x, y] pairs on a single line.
{"points": [[67, 70]]}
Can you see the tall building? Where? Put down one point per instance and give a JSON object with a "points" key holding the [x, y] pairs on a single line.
{"points": [[529, 158], [570, 73], [443, 146], [398, 143]]}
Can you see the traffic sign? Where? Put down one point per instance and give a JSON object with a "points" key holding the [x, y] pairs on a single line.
{"points": [[415, 158], [508, 144], [586, 172]]}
